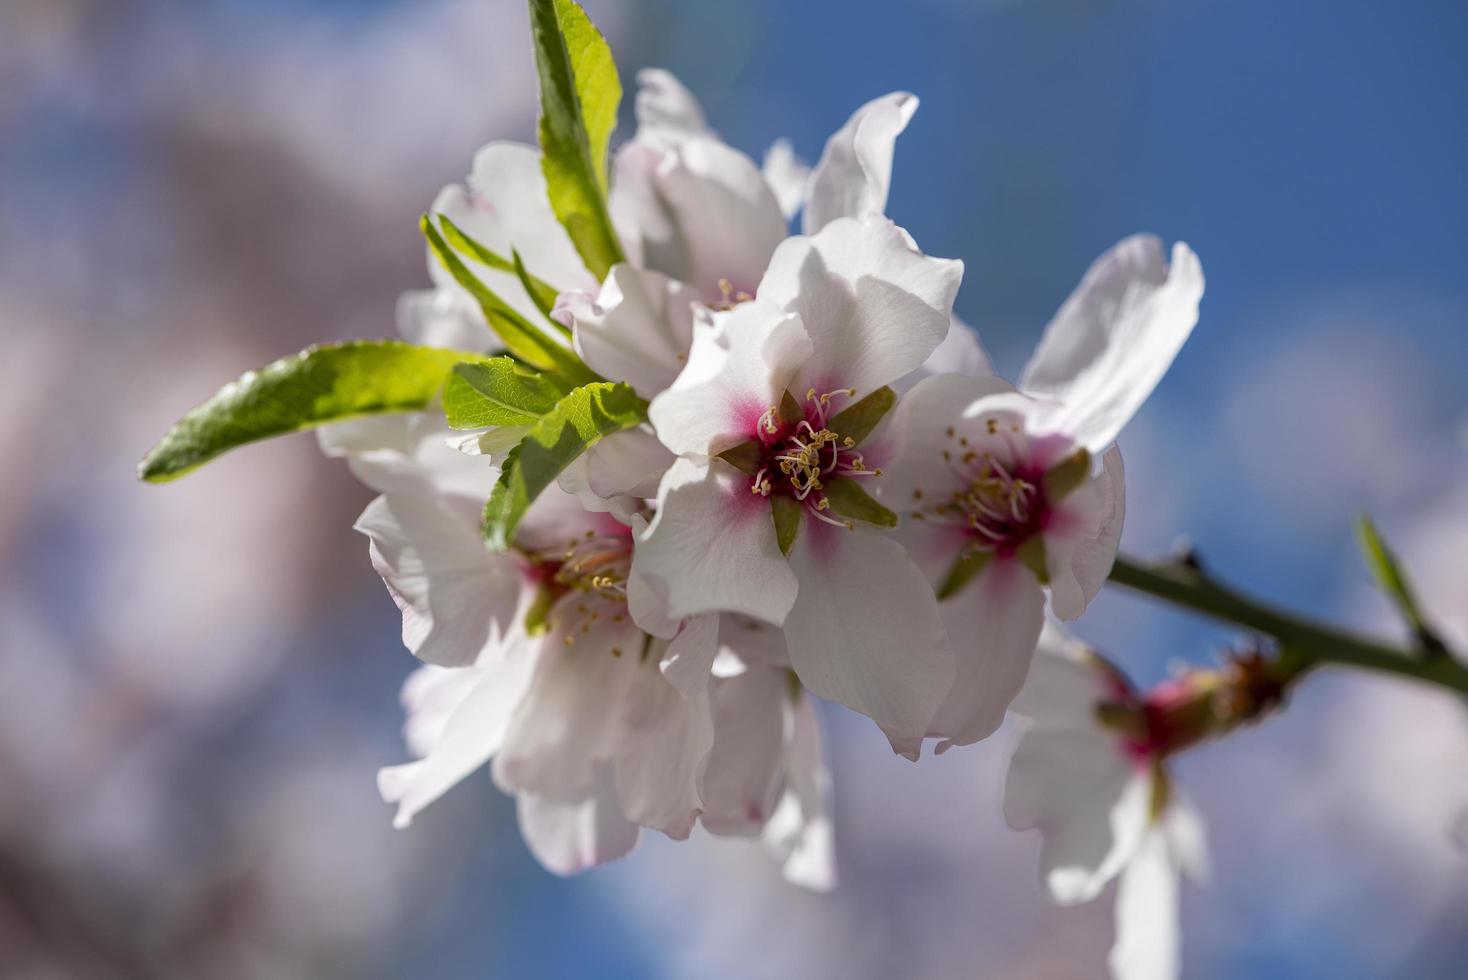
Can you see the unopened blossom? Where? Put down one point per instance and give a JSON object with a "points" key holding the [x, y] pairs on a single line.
{"points": [[1088, 773], [768, 420], [1007, 493]]}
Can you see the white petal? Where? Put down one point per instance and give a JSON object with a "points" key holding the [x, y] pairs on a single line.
{"points": [[787, 176], [570, 835], [1148, 931], [920, 474], [960, 353], [664, 748], [429, 697], [409, 454], [444, 318], [1089, 801], [1115, 337], [1064, 685], [751, 641], [752, 720], [667, 113], [505, 208], [1187, 838], [618, 472], [472, 734], [865, 630], [1082, 537], [801, 830], [699, 212], [856, 168], [874, 306], [637, 329], [569, 717], [459, 602], [739, 366], [689, 657], [712, 545], [993, 626]]}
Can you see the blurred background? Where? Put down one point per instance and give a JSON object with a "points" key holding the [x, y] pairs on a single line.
{"points": [[198, 681]]}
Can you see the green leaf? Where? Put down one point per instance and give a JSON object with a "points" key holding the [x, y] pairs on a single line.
{"points": [[571, 427], [321, 384], [542, 293], [499, 391], [787, 514], [745, 457], [521, 337], [543, 296], [857, 420], [849, 500], [969, 563], [1390, 578], [579, 95], [1066, 475]]}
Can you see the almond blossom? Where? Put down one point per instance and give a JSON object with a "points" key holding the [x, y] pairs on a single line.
{"points": [[759, 513], [1000, 487], [1088, 773]]}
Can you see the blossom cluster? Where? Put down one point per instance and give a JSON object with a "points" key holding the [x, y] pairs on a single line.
{"points": [[831, 495], [730, 470]]}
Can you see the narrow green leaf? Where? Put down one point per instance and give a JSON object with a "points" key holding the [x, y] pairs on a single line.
{"points": [[521, 337], [849, 500], [321, 384], [570, 428], [745, 457], [542, 295], [579, 95], [857, 420], [969, 563], [1066, 475], [499, 391], [1390, 578], [787, 514]]}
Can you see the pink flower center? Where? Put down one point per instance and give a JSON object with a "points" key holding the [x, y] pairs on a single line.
{"points": [[800, 459], [1000, 503]]}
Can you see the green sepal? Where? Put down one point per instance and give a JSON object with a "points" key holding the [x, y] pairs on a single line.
{"points": [[579, 95], [787, 515], [499, 391], [1032, 554], [1065, 476], [790, 410], [521, 337], [857, 420], [745, 457], [537, 617], [542, 295], [325, 383], [849, 500], [969, 563], [1389, 577], [572, 426]]}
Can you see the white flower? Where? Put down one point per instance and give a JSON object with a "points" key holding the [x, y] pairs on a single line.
{"points": [[765, 776], [1000, 487], [838, 316], [1103, 804], [578, 718]]}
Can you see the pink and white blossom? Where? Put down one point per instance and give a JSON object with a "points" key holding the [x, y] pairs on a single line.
{"points": [[837, 317], [1008, 493], [1088, 773]]}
